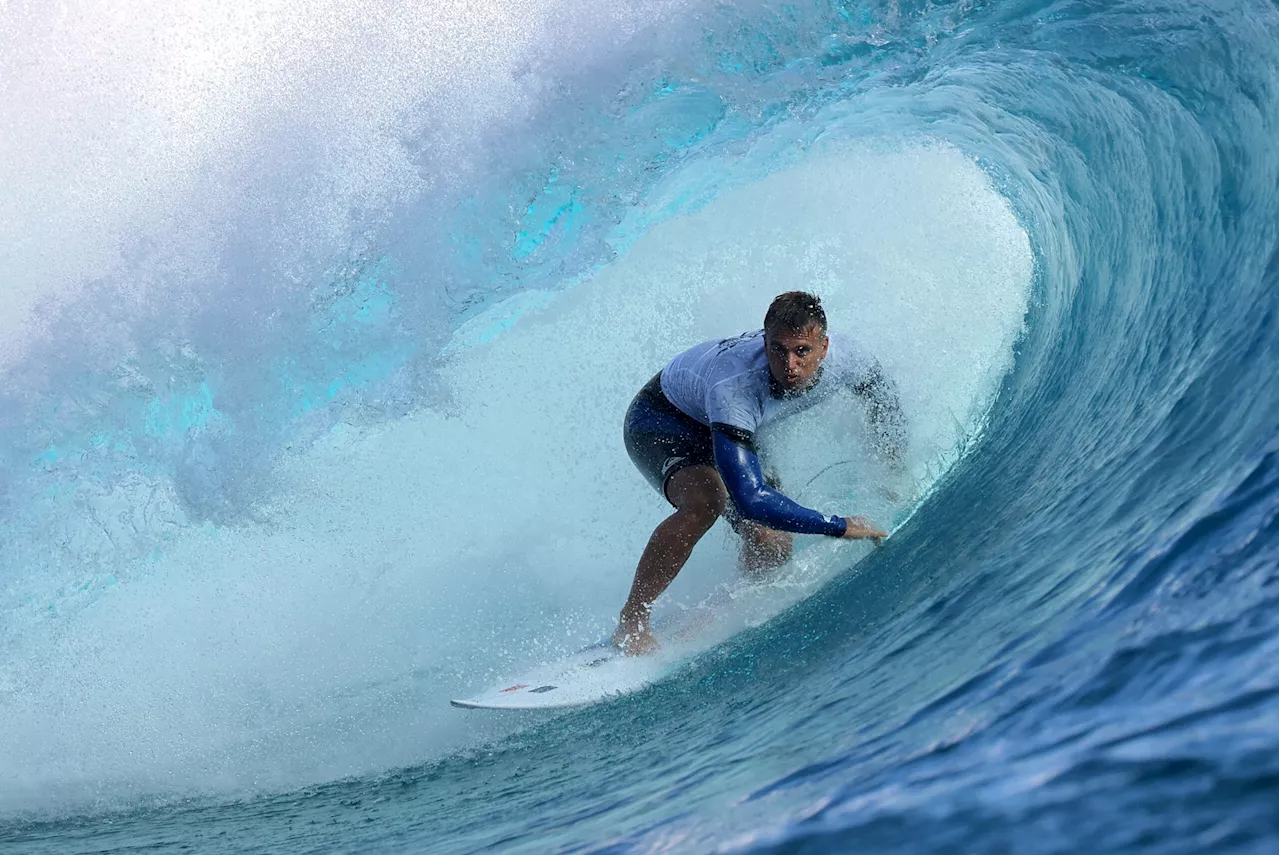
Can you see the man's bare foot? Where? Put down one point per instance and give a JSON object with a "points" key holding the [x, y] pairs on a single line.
{"points": [[635, 640]]}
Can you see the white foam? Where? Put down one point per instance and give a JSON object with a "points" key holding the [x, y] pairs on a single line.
{"points": [[138, 128]]}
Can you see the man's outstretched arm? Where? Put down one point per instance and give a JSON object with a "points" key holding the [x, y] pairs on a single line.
{"points": [[739, 468]]}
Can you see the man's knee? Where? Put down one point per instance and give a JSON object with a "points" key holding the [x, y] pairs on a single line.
{"points": [[699, 493], [706, 505]]}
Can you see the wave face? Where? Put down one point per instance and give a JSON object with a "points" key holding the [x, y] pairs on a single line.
{"points": [[323, 321]]}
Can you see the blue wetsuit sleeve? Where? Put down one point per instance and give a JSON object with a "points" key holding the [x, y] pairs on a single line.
{"points": [[757, 501]]}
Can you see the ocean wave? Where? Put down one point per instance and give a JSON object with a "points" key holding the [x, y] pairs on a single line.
{"points": [[267, 470]]}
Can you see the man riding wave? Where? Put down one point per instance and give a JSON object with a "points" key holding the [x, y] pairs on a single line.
{"points": [[690, 431]]}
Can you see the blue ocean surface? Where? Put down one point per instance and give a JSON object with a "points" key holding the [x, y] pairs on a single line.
{"points": [[321, 320]]}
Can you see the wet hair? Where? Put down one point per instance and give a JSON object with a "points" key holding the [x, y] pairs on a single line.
{"points": [[795, 312]]}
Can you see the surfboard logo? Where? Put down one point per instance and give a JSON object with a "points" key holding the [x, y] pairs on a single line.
{"points": [[515, 687], [542, 689]]}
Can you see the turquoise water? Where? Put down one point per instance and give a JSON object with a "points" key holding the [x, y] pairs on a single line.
{"points": [[311, 421]]}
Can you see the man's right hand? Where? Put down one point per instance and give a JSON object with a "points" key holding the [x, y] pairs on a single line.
{"points": [[861, 528]]}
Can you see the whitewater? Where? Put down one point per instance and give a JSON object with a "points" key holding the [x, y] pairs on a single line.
{"points": [[319, 322]]}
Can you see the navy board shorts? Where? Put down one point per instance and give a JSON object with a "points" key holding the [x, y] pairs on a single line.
{"points": [[661, 439]]}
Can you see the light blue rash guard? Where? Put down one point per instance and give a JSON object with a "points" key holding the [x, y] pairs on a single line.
{"points": [[727, 386]]}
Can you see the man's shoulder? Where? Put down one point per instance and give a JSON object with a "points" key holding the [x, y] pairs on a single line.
{"points": [[743, 344], [718, 358], [739, 360]]}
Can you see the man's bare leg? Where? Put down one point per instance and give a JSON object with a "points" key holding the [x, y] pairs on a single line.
{"points": [[699, 497]]}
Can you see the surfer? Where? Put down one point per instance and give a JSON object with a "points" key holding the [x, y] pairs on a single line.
{"points": [[690, 431]]}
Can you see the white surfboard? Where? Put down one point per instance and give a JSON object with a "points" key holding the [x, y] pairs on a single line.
{"points": [[603, 671], [598, 672], [589, 675]]}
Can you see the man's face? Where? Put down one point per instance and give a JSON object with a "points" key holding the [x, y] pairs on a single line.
{"points": [[794, 357]]}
